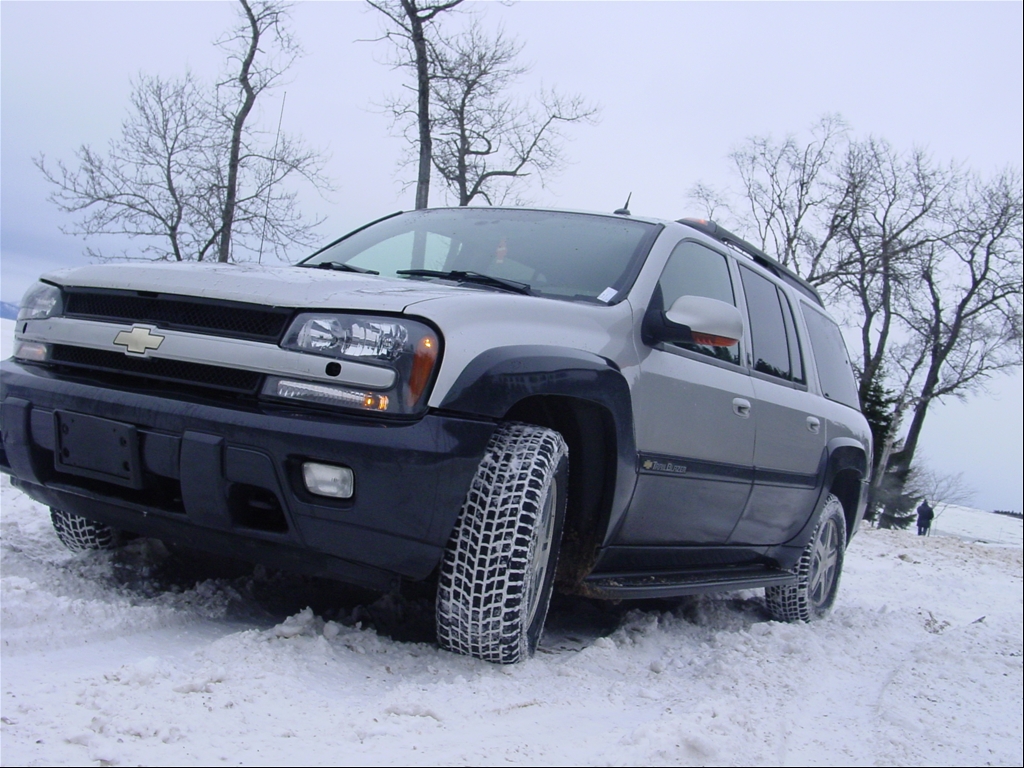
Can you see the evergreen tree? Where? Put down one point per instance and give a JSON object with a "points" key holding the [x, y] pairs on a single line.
{"points": [[877, 405], [895, 501], [899, 509]]}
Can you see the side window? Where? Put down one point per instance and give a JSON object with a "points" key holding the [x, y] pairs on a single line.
{"points": [[796, 363], [693, 270], [831, 358], [776, 348]]}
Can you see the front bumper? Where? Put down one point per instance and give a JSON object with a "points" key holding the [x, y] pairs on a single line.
{"points": [[228, 479]]}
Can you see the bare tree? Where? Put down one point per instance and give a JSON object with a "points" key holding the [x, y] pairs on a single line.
{"points": [[261, 19], [711, 200], [412, 23], [189, 175], [792, 197], [926, 483], [485, 139], [964, 312], [254, 201], [147, 185], [895, 211]]}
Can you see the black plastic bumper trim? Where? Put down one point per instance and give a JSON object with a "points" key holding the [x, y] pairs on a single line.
{"points": [[211, 472], [177, 531]]}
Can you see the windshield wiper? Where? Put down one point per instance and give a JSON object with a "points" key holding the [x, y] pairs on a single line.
{"points": [[341, 267], [479, 278]]}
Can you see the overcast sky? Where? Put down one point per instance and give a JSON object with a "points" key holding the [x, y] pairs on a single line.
{"points": [[679, 85]]}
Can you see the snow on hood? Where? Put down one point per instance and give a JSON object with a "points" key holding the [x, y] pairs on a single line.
{"points": [[274, 286]]}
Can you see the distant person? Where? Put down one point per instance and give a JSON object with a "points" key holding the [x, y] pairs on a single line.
{"points": [[925, 515]]}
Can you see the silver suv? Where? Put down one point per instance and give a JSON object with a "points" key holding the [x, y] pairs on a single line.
{"points": [[502, 401]]}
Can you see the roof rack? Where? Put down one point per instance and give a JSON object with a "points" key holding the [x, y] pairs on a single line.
{"points": [[722, 235]]}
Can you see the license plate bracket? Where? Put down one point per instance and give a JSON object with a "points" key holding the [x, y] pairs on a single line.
{"points": [[101, 449]]}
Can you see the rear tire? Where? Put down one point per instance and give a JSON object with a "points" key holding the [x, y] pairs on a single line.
{"points": [[496, 577], [818, 571], [79, 533]]}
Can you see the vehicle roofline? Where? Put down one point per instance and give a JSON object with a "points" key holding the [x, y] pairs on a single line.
{"points": [[547, 209]]}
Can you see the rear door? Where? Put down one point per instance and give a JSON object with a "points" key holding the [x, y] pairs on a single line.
{"points": [[789, 451]]}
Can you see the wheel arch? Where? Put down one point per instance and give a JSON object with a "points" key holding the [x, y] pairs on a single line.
{"points": [[589, 430], [847, 475], [587, 400]]}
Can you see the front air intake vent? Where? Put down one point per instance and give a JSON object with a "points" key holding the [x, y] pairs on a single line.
{"points": [[215, 318], [166, 371]]}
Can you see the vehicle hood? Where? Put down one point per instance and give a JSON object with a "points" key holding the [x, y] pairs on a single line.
{"points": [[296, 287]]}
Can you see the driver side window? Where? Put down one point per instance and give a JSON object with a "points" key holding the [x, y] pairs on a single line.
{"points": [[693, 270]]}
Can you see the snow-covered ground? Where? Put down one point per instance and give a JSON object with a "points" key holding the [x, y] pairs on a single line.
{"points": [[977, 525], [131, 658]]}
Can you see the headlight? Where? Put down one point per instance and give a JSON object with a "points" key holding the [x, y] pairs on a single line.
{"points": [[408, 347], [42, 300], [346, 336]]}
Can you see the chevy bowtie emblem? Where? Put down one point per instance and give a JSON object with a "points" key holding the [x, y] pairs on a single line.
{"points": [[138, 340]]}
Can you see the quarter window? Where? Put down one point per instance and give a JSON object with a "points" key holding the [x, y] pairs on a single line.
{"points": [[831, 359]]}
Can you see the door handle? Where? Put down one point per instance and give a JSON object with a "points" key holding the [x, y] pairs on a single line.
{"points": [[814, 424], [741, 407]]}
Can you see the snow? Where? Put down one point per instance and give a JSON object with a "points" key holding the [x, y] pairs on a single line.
{"points": [[138, 657], [132, 657], [977, 525]]}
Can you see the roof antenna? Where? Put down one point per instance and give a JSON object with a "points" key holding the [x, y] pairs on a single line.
{"points": [[624, 210]]}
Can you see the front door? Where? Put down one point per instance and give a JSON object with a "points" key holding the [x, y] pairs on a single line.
{"points": [[695, 425]]}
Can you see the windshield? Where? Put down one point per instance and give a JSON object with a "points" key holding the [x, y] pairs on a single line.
{"points": [[561, 255]]}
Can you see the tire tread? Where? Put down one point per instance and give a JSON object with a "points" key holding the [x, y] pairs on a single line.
{"points": [[80, 534], [486, 567], [792, 602]]}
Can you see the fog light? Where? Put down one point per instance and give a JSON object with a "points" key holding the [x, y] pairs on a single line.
{"points": [[328, 480]]}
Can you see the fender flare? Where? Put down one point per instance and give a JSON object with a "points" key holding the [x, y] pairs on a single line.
{"points": [[493, 382], [845, 453], [842, 454]]}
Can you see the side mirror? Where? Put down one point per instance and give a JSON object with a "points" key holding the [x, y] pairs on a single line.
{"points": [[697, 320]]}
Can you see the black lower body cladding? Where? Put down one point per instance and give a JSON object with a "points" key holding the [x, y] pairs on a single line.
{"points": [[229, 480]]}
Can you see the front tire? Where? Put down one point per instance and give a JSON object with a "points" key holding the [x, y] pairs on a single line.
{"points": [[818, 571], [496, 577], [80, 534]]}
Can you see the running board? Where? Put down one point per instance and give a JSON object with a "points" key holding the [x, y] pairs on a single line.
{"points": [[656, 585]]}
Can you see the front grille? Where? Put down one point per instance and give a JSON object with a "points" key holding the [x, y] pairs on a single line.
{"points": [[166, 371], [246, 321]]}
